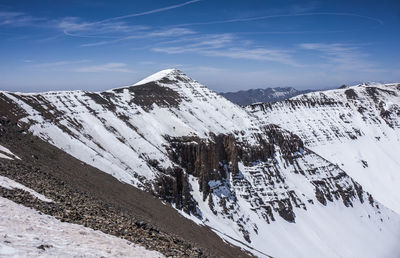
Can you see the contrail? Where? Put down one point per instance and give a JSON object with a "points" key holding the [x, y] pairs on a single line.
{"points": [[158, 10], [279, 16]]}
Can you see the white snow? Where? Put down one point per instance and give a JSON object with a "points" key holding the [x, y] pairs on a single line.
{"points": [[333, 230], [382, 176], [329, 130], [9, 154], [2, 156], [155, 77], [106, 142], [123, 147], [11, 184], [23, 230]]}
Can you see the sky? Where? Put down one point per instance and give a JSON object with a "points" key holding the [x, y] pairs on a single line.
{"points": [[226, 45]]}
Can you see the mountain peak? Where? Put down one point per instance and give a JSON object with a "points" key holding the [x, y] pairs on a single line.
{"points": [[159, 76]]}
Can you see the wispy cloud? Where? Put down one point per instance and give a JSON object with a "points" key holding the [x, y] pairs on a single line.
{"points": [[78, 66], [181, 39], [111, 28], [204, 69], [342, 56], [114, 25], [108, 67], [171, 32], [59, 63], [76, 27], [260, 54], [17, 19], [116, 29], [196, 44], [224, 45]]}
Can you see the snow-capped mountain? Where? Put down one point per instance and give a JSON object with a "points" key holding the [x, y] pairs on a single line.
{"points": [[259, 186], [247, 97], [357, 128]]}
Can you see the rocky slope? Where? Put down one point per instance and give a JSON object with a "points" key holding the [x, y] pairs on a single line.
{"points": [[74, 192], [247, 97], [357, 128], [255, 184]]}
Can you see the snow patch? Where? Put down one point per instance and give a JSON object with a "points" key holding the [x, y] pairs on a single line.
{"points": [[2, 156], [26, 233], [9, 154], [11, 184]]}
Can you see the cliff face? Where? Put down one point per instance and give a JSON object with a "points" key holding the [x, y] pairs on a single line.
{"points": [[214, 160], [357, 128], [251, 181]]}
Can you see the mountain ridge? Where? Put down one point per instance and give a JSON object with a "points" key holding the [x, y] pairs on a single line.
{"points": [[350, 122], [262, 95], [218, 163]]}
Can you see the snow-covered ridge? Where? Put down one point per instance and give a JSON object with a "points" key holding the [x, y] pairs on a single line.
{"points": [[217, 162], [357, 127], [111, 124], [349, 109]]}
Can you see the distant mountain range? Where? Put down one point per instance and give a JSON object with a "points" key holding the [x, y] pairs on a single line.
{"points": [[247, 97]]}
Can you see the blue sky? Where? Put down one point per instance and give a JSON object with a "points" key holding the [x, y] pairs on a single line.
{"points": [[226, 45]]}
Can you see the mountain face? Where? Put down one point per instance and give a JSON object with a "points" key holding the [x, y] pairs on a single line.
{"points": [[357, 128], [75, 193], [258, 183], [247, 97]]}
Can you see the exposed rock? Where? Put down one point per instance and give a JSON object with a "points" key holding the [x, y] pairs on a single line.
{"points": [[83, 201]]}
